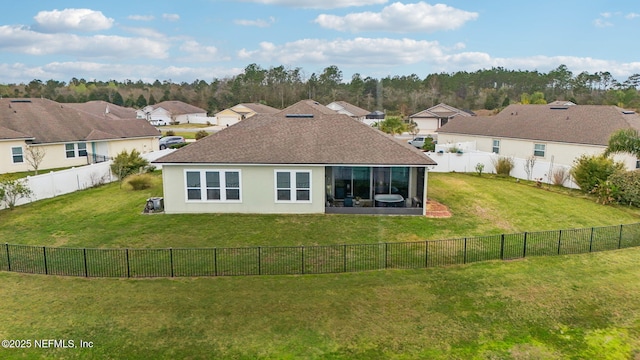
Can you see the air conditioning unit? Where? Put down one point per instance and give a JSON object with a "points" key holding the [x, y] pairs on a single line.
{"points": [[154, 204]]}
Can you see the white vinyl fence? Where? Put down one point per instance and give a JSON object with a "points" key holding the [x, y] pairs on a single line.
{"points": [[467, 162], [56, 183]]}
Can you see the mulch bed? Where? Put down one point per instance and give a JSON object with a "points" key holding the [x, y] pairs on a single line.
{"points": [[437, 210]]}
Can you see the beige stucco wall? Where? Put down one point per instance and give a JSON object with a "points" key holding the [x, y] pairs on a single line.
{"points": [[563, 153], [426, 126], [143, 145], [257, 186]]}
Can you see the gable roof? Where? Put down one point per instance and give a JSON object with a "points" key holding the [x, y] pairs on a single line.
{"points": [[178, 107], [350, 108], [441, 110], [304, 133], [259, 108], [46, 121], [105, 109], [579, 124]]}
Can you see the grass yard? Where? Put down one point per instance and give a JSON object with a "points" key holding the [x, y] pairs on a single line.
{"points": [[567, 307], [562, 307], [111, 216]]}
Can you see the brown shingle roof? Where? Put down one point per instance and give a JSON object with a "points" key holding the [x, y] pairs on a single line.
{"points": [[179, 108], [260, 108], [326, 138], [49, 122], [104, 109], [356, 111], [578, 124]]}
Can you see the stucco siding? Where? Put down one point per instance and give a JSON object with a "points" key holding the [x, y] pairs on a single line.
{"points": [[257, 187]]}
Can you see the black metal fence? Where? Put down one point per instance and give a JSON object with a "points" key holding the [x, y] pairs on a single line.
{"points": [[281, 260]]}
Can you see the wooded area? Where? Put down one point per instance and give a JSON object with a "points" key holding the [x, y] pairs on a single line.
{"points": [[282, 86]]}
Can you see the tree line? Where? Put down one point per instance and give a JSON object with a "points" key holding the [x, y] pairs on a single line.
{"points": [[281, 86]]}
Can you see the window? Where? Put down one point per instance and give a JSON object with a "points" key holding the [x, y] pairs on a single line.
{"points": [[539, 149], [75, 149], [219, 185], [16, 154], [496, 147], [293, 186], [352, 181]]}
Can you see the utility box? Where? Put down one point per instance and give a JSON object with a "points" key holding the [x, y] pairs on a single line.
{"points": [[154, 205]]}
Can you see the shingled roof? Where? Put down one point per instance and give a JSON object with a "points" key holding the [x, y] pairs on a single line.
{"points": [[179, 108], [354, 110], [260, 108], [105, 109], [46, 121], [304, 133], [577, 124]]}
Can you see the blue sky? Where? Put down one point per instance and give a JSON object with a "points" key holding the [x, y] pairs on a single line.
{"points": [[182, 41]]}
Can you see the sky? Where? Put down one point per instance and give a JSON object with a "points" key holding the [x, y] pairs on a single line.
{"points": [[189, 40]]}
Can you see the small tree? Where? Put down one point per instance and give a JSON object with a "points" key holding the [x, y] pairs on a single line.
{"points": [[590, 170], [201, 134], [624, 141], [479, 168], [13, 190], [127, 163], [393, 125], [34, 156], [429, 144], [529, 163]]}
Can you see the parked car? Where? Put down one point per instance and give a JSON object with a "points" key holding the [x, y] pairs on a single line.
{"points": [[419, 141], [167, 141], [158, 122]]}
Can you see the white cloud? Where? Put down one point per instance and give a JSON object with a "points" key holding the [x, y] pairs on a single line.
{"points": [[195, 52], [16, 39], [316, 4], [258, 23], [632, 15], [601, 23], [398, 17], [171, 17], [72, 19], [141, 17]]}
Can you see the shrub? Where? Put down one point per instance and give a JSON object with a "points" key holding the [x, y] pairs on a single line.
{"points": [[479, 168], [140, 181], [429, 144], [589, 170], [13, 190], [126, 163], [201, 134], [453, 149], [627, 187], [169, 133], [559, 176], [177, 146], [503, 165]]}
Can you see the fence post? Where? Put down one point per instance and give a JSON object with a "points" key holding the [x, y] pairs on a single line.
{"points": [[126, 252], [171, 259], [620, 238], [502, 247], [385, 254], [86, 269], [464, 257], [8, 257], [559, 240], [591, 240], [344, 252], [44, 252], [302, 256], [215, 261], [259, 260], [524, 248], [426, 253]]}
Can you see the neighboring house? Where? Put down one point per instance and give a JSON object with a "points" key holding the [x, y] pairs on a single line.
{"points": [[105, 110], [68, 137], [303, 159], [555, 133], [374, 118], [343, 107], [239, 112], [168, 112], [429, 120]]}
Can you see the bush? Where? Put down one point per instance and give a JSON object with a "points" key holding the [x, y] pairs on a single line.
{"points": [[559, 176], [590, 170], [178, 146], [13, 190], [627, 187], [503, 165], [140, 181], [201, 134], [127, 163], [429, 144], [169, 133]]}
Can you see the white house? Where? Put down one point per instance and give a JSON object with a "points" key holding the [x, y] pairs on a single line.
{"points": [[240, 112], [558, 133], [168, 112], [430, 120], [343, 107]]}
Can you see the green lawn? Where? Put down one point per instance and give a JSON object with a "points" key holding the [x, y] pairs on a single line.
{"points": [[568, 307], [111, 216], [562, 307]]}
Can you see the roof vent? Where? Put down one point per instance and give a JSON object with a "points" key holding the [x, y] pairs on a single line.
{"points": [[628, 112], [556, 107], [300, 116], [21, 100]]}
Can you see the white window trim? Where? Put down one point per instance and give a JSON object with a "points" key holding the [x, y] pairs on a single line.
{"points": [[76, 150], [293, 188], [21, 154], [543, 151], [493, 146], [203, 186]]}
